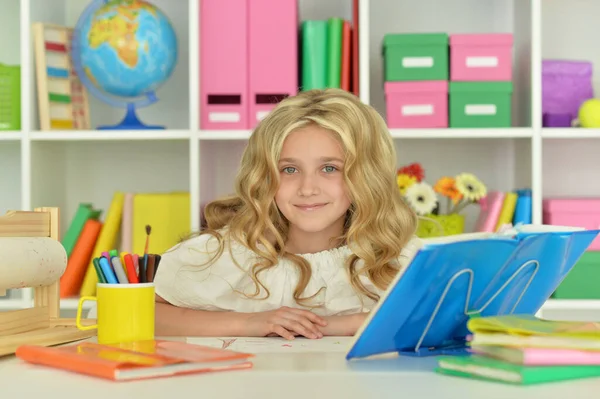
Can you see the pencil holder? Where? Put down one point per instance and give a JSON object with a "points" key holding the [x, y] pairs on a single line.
{"points": [[126, 312], [440, 225]]}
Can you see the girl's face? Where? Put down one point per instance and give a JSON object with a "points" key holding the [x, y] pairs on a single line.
{"points": [[312, 194]]}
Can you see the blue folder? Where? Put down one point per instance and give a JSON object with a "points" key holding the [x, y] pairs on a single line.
{"points": [[425, 310]]}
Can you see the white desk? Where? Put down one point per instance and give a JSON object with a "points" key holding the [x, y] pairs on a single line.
{"points": [[276, 374]]}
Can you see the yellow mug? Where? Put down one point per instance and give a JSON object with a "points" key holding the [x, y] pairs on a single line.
{"points": [[125, 312]]}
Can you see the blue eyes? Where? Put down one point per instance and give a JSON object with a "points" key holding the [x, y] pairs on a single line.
{"points": [[326, 169]]}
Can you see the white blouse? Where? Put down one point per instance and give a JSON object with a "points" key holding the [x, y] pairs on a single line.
{"points": [[184, 282]]}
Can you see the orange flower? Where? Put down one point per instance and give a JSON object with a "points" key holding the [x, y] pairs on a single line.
{"points": [[446, 186]]}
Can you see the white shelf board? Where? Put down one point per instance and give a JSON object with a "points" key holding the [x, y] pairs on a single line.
{"points": [[66, 304], [551, 304], [100, 135], [570, 133], [10, 135], [572, 304], [441, 133], [456, 133]]}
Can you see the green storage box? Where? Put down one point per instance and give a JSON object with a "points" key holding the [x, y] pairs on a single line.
{"points": [[409, 57], [583, 281], [480, 104], [10, 97]]}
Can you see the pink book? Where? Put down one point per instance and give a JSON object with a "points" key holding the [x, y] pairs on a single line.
{"points": [[539, 356], [223, 64], [491, 206], [273, 55]]}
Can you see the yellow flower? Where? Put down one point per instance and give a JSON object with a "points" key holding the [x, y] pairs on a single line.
{"points": [[471, 188], [405, 181]]}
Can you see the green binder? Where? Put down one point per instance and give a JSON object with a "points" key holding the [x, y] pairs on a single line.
{"points": [[334, 52], [314, 54]]}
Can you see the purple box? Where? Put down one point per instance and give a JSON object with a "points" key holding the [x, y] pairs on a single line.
{"points": [[565, 85]]}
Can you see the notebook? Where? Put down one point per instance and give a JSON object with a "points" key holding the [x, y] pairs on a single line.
{"points": [[480, 367], [453, 279], [538, 356], [136, 360]]}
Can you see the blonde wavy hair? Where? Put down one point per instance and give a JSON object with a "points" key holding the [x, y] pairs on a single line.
{"points": [[379, 223]]}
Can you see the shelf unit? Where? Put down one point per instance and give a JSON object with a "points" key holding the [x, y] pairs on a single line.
{"points": [[63, 168]]}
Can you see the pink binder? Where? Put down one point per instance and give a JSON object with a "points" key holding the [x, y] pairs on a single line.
{"points": [[223, 64], [491, 206], [273, 51]]}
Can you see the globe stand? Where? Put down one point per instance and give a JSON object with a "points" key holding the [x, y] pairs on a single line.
{"points": [[131, 122]]}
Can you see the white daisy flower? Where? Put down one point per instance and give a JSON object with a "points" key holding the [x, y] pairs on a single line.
{"points": [[421, 197]]}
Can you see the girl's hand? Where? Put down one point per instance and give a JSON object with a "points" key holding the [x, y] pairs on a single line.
{"points": [[285, 322]]}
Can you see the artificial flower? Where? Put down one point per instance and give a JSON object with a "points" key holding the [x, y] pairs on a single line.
{"points": [[421, 197], [471, 188], [405, 181], [446, 186], [414, 169]]}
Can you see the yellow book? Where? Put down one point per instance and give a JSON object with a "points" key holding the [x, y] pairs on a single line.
{"points": [[508, 209], [169, 216], [525, 325], [107, 240]]}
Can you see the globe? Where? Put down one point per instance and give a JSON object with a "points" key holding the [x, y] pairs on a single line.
{"points": [[123, 51]]}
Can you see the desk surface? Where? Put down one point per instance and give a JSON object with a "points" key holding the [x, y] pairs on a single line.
{"points": [[289, 372]]}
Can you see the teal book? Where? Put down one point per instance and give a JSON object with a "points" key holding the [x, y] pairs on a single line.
{"points": [[314, 54], [489, 369]]}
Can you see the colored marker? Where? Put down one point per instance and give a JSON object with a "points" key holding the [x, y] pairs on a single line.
{"points": [[130, 269], [109, 274], [99, 273], [119, 271]]}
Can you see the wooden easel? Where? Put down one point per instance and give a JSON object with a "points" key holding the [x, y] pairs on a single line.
{"points": [[41, 324]]}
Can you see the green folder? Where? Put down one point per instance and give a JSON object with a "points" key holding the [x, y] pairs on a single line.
{"points": [[334, 52], [84, 212], [314, 54], [485, 368]]}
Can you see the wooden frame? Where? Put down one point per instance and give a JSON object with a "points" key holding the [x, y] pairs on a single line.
{"points": [[41, 324]]}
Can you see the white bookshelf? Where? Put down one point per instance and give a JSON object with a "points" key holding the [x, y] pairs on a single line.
{"points": [[64, 168]]}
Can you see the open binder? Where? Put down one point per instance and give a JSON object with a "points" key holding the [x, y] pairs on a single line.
{"points": [[426, 308]]}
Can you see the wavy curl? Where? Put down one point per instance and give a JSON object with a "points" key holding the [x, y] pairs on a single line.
{"points": [[379, 222]]}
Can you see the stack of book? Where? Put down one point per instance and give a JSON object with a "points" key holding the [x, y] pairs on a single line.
{"points": [[526, 350]]}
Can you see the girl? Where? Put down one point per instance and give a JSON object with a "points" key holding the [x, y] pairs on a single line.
{"points": [[314, 234]]}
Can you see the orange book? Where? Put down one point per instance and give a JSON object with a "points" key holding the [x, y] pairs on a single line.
{"points": [[136, 360], [346, 56], [77, 264]]}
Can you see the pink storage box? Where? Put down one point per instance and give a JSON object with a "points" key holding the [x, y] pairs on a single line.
{"points": [[223, 64], [273, 55], [576, 212], [475, 57], [422, 104]]}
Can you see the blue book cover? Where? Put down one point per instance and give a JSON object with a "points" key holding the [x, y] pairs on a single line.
{"points": [[451, 279]]}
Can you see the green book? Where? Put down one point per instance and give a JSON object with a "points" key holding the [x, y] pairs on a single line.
{"points": [[335, 28], [84, 212], [314, 54], [485, 368]]}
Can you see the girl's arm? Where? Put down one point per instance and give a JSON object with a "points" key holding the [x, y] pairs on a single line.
{"points": [[286, 322], [346, 325], [175, 321]]}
